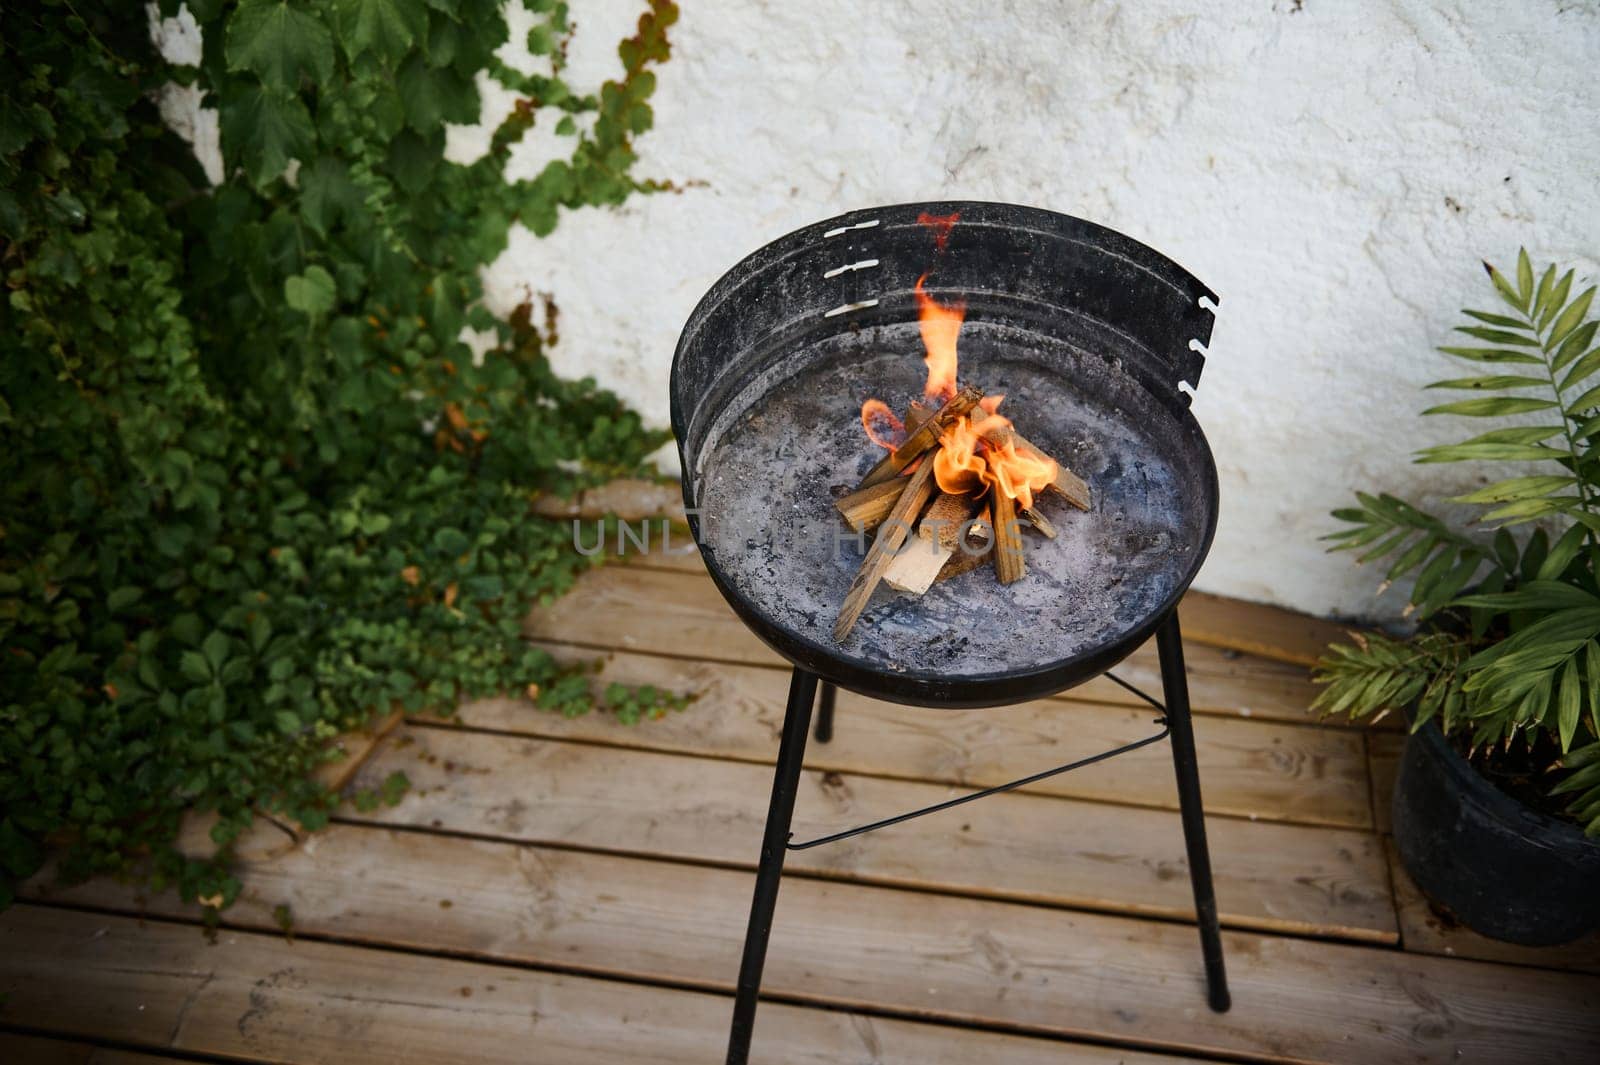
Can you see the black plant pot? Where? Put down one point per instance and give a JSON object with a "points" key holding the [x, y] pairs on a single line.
{"points": [[1502, 869]]}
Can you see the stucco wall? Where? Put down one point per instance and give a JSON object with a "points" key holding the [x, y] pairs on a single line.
{"points": [[1335, 170]]}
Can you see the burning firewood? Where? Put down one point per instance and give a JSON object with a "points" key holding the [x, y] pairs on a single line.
{"points": [[924, 437], [1009, 565], [882, 553], [1001, 432]]}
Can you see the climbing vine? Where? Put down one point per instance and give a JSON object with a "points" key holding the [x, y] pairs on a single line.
{"points": [[255, 488]]}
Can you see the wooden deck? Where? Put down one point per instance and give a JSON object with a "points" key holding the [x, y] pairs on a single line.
{"points": [[562, 891]]}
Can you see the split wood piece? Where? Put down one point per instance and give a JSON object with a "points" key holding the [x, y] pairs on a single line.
{"points": [[1008, 562], [882, 553], [924, 437], [865, 508], [1067, 483], [939, 533], [1039, 522]]}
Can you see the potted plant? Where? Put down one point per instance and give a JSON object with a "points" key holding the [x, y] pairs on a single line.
{"points": [[1497, 804]]}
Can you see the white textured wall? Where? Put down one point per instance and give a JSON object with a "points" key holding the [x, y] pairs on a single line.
{"points": [[1335, 170]]}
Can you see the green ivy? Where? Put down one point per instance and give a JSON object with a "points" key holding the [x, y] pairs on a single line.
{"points": [[254, 488]]}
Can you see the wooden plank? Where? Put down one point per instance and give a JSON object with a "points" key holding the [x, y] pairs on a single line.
{"points": [[627, 608], [37, 1050], [260, 997], [1021, 967], [1259, 629], [1061, 851], [1257, 769], [1428, 930]]}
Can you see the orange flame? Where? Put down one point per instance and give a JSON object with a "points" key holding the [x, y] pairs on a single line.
{"points": [[969, 461], [1017, 473], [940, 324], [958, 467], [882, 427]]}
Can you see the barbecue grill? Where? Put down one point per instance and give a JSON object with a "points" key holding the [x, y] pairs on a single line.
{"points": [[1095, 335]]}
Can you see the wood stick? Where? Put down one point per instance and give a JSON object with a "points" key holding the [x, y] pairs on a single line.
{"points": [[1067, 483], [894, 532], [866, 508], [1039, 522], [1009, 565], [923, 437]]}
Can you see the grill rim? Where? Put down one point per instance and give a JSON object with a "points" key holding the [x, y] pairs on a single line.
{"points": [[1003, 687]]}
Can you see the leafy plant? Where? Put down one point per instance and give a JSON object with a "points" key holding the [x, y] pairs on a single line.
{"points": [[1513, 651], [255, 487]]}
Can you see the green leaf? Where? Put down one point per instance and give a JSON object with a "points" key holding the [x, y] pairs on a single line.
{"points": [[311, 293], [1489, 453], [1561, 555], [1517, 488], [279, 43], [1570, 318], [1493, 355], [1526, 509], [122, 598], [1536, 595], [1507, 291], [1541, 296], [1570, 700], [1498, 319], [1492, 406], [1524, 276], [1558, 298], [385, 27], [194, 667], [1492, 382], [263, 131], [1497, 336], [327, 195], [215, 649], [288, 723]]}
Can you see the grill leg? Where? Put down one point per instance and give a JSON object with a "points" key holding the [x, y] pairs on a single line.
{"points": [[824, 731], [1175, 683], [785, 782]]}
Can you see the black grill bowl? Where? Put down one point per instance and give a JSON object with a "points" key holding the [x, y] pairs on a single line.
{"points": [[1087, 333]]}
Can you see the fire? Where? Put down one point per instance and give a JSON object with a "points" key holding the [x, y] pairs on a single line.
{"points": [[958, 466], [882, 427], [941, 324], [970, 460], [1018, 474]]}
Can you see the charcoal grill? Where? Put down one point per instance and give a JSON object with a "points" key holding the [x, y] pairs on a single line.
{"points": [[1093, 337]]}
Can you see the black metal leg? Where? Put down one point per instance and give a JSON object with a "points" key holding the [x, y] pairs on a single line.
{"points": [[1169, 643], [824, 731], [785, 782]]}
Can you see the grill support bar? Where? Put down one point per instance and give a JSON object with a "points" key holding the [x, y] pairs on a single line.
{"points": [[1177, 725]]}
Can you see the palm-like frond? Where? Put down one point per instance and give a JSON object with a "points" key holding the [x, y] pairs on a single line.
{"points": [[1539, 363]]}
